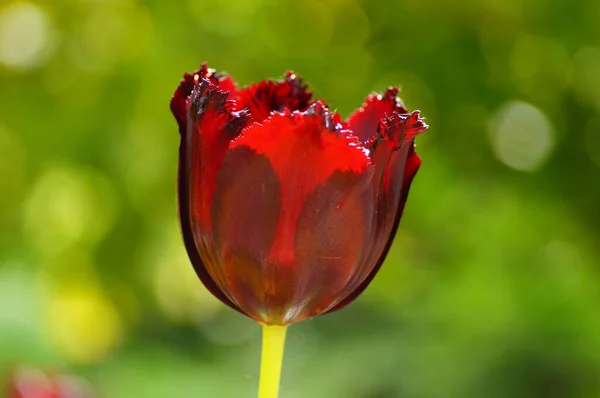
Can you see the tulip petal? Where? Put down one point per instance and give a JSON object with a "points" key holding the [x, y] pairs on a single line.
{"points": [[187, 229], [209, 127], [245, 213], [396, 164], [267, 96], [335, 222], [365, 121], [185, 88]]}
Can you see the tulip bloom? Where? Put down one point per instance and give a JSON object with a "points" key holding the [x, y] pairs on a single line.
{"points": [[33, 383], [287, 211]]}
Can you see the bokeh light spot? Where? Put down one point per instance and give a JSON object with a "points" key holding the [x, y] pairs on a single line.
{"points": [[25, 35], [83, 324], [30, 382], [522, 136], [69, 206]]}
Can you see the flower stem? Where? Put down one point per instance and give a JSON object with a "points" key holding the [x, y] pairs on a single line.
{"points": [[273, 341]]}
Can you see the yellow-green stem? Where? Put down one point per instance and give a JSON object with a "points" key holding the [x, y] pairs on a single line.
{"points": [[273, 341]]}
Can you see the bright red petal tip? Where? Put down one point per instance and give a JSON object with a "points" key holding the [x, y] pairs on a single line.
{"points": [[403, 128], [212, 124], [305, 137], [396, 130], [274, 96], [364, 122], [184, 90]]}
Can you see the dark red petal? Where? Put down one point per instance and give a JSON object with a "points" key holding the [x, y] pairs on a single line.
{"points": [[400, 129], [335, 222], [209, 128], [187, 231], [396, 164], [185, 88], [267, 96], [365, 121], [245, 211]]}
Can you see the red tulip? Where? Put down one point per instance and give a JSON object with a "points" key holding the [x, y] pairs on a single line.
{"points": [[33, 383], [287, 211]]}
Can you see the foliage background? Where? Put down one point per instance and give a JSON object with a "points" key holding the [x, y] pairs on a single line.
{"points": [[491, 290]]}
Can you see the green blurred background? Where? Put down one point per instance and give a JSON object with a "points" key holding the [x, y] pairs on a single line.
{"points": [[491, 290]]}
